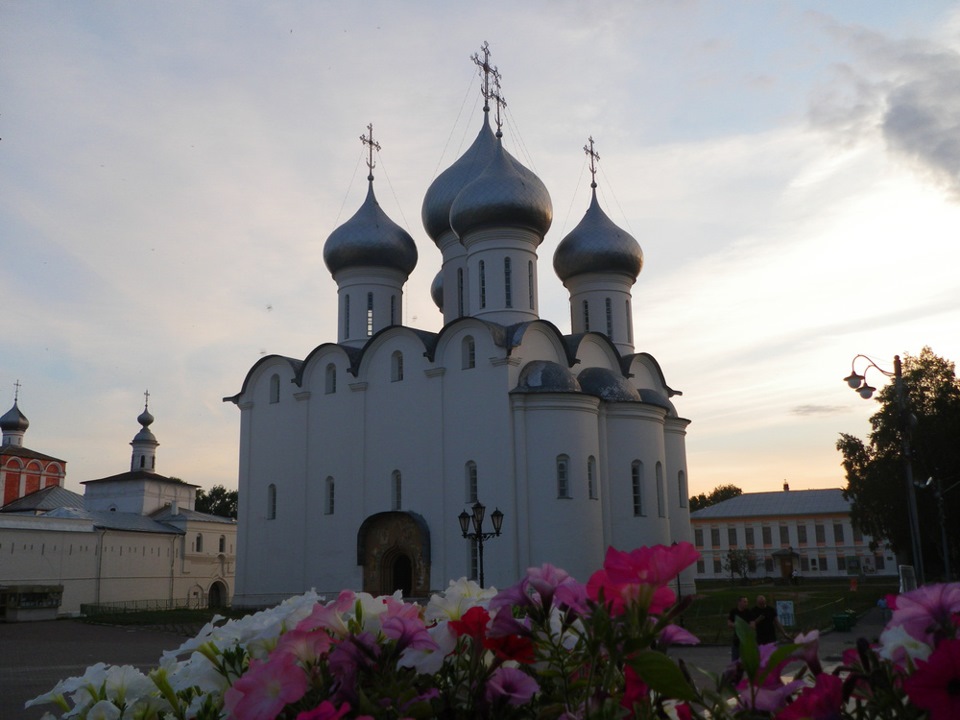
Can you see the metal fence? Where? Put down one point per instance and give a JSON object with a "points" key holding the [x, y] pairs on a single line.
{"points": [[137, 606]]}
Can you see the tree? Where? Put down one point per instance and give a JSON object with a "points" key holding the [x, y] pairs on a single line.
{"points": [[217, 501], [875, 469], [739, 562], [718, 494]]}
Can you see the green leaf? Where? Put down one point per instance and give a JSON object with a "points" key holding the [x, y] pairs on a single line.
{"points": [[662, 674], [749, 652]]}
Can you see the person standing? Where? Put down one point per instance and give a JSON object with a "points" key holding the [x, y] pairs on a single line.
{"points": [[742, 611], [766, 622]]}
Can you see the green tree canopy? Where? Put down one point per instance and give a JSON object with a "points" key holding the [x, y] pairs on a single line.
{"points": [[718, 494], [217, 501], [875, 469]]}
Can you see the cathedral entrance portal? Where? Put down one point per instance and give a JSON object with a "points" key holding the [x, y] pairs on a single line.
{"points": [[394, 550]]}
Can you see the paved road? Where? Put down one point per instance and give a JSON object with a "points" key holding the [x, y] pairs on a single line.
{"points": [[34, 656]]}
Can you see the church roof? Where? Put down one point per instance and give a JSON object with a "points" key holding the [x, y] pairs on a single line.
{"points": [[596, 244], [778, 503], [109, 520], [20, 451], [49, 498], [165, 514], [132, 475], [14, 420]]}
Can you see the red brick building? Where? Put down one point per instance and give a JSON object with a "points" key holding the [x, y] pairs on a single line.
{"points": [[24, 471]]}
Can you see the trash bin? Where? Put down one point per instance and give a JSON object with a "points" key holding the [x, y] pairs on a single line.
{"points": [[844, 621]]}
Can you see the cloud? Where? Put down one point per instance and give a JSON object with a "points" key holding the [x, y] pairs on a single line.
{"points": [[907, 91], [819, 409]]}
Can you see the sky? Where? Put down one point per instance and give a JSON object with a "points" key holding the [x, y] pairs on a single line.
{"points": [[169, 172]]}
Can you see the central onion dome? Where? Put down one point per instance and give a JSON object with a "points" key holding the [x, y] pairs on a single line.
{"points": [[146, 420], [596, 244], [444, 190], [505, 194], [370, 239]]}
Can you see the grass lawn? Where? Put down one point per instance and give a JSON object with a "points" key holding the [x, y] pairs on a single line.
{"points": [[815, 602]]}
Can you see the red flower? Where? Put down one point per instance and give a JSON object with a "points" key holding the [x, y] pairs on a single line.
{"points": [[641, 576], [935, 686], [473, 623], [635, 690], [511, 647]]}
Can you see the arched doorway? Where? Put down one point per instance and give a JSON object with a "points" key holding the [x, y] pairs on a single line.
{"points": [[217, 595], [394, 550]]}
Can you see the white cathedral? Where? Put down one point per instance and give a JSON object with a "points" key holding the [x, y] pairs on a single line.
{"points": [[356, 461]]}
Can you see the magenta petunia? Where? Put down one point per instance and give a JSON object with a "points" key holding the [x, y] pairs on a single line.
{"points": [[408, 632], [823, 701], [641, 576], [511, 685], [935, 686], [325, 711], [927, 613]]}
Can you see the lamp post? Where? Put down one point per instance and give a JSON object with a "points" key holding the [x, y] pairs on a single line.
{"points": [[938, 493], [858, 382], [477, 517]]}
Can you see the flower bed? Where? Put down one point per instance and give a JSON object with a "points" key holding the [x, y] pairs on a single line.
{"points": [[548, 647]]}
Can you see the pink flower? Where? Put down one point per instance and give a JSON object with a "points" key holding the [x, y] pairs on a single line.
{"points": [[408, 632], [641, 576], [676, 635], [325, 711], [927, 613], [635, 690], [307, 646], [511, 685], [262, 692], [823, 701], [935, 686]]}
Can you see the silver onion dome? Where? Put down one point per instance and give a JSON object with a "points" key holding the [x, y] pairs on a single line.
{"points": [[435, 212], [607, 385], [596, 244], [546, 376], [370, 239], [506, 194], [13, 420], [436, 290]]}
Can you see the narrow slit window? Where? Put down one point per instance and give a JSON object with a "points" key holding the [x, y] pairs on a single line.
{"points": [[609, 312], [563, 476], [483, 284], [507, 284], [369, 314]]}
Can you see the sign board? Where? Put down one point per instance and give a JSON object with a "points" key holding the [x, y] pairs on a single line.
{"points": [[785, 613]]}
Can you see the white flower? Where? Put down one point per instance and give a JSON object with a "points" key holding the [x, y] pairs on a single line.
{"points": [[104, 710], [428, 662], [461, 595], [126, 684], [896, 642]]}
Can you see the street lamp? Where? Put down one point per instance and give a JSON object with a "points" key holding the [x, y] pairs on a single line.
{"points": [[478, 512], [858, 382]]}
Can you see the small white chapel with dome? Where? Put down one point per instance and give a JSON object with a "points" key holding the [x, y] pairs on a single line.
{"points": [[356, 461]]}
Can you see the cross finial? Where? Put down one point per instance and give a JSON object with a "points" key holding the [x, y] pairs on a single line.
{"points": [[371, 145], [501, 103], [146, 399], [16, 391], [594, 156], [486, 70]]}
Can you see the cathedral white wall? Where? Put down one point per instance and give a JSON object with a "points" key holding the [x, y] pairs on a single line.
{"points": [[137, 496], [493, 247], [596, 289], [384, 286], [675, 432]]}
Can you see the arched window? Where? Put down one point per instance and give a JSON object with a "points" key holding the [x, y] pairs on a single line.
{"points": [[369, 314], [143, 460], [629, 324], [530, 282], [459, 292], [396, 366], [609, 312], [661, 500], [199, 542], [330, 384], [393, 309], [272, 502], [396, 487], [592, 477], [222, 545], [682, 487], [472, 494], [346, 316], [153, 462], [563, 476], [483, 284], [507, 284], [274, 388], [329, 493], [469, 352], [636, 480], [586, 316]]}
